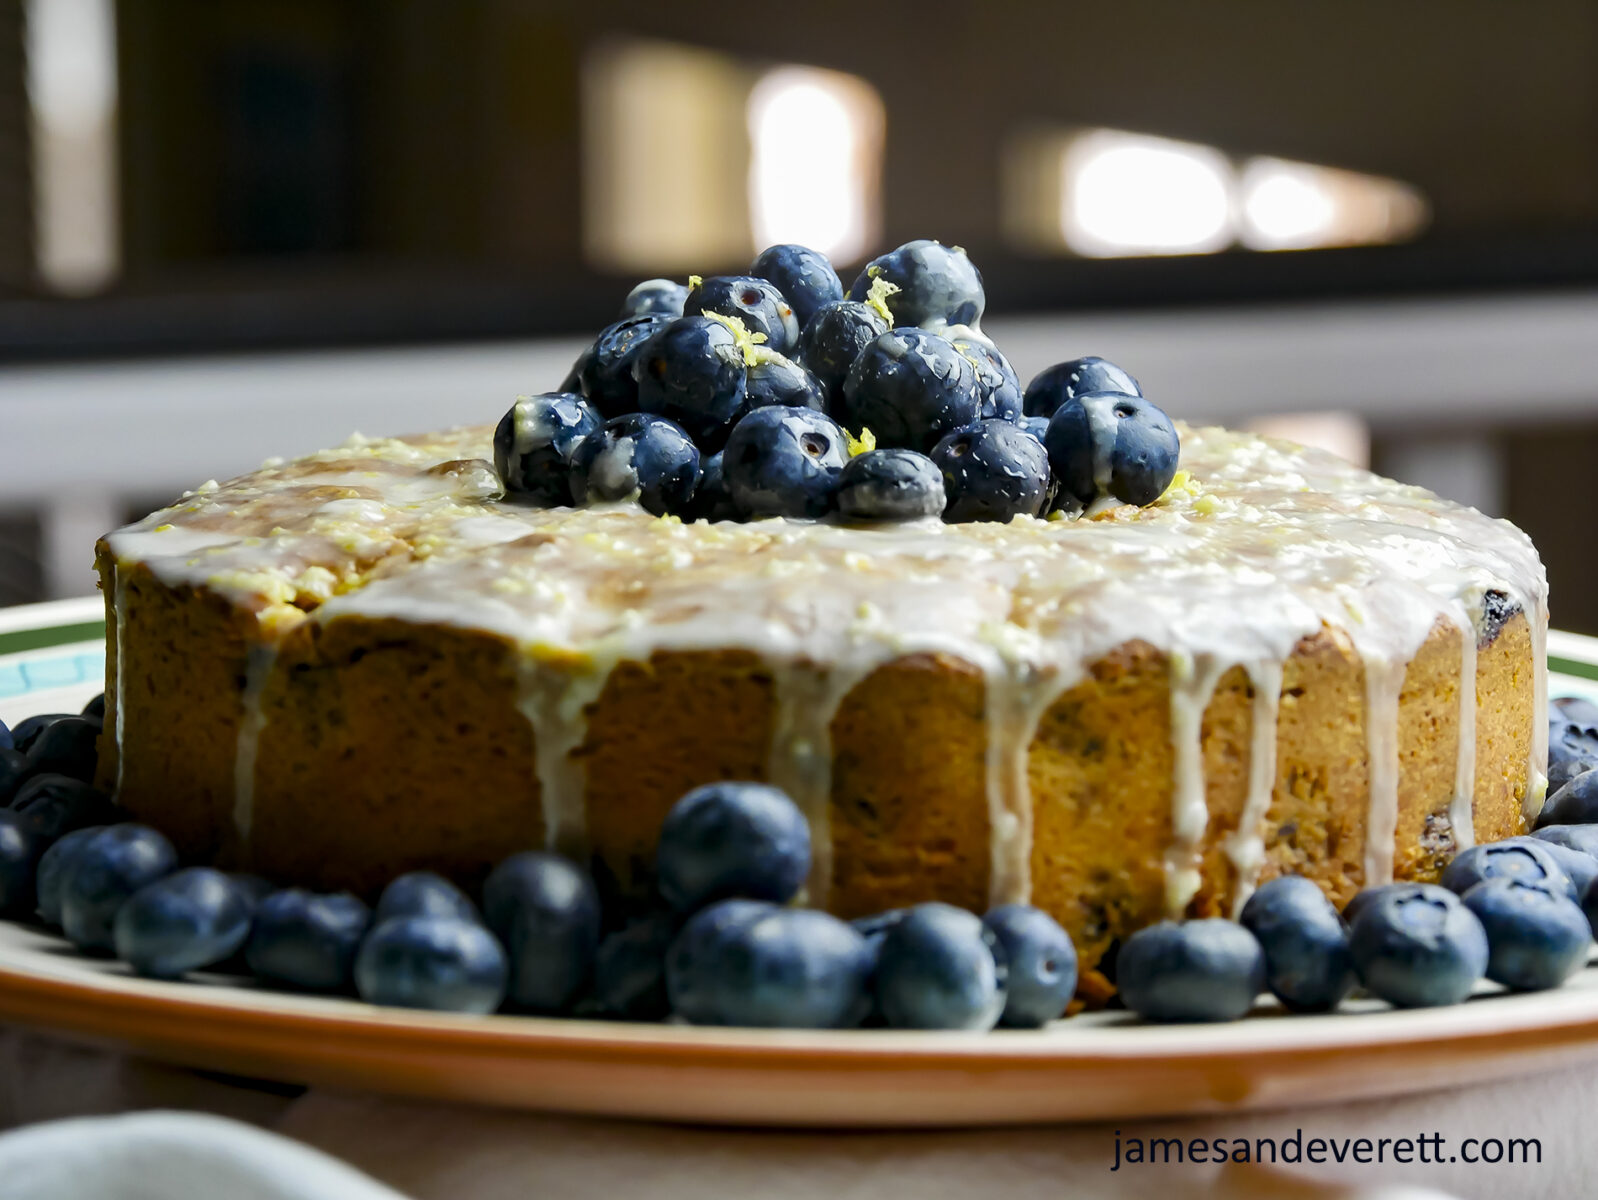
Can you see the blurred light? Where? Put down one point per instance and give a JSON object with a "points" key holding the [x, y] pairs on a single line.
{"points": [[72, 93], [1299, 206], [815, 159], [1126, 193], [1344, 434]]}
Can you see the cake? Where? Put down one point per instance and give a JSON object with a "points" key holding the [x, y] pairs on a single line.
{"points": [[367, 660]]}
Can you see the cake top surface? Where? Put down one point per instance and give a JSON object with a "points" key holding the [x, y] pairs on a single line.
{"points": [[1256, 544]]}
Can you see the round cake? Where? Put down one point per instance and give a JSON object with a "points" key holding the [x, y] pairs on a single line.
{"points": [[367, 660]]}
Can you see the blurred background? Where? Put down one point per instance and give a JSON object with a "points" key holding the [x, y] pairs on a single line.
{"points": [[231, 229]]}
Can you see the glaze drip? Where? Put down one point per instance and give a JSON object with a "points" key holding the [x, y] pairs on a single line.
{"points": [[555, 699], [1462, 811], [259, 662], [1192, 686], [1246, 847], [1384, 682]]}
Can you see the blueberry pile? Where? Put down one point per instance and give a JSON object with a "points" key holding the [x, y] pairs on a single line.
{"points": [[773, 394], [723, 942]]}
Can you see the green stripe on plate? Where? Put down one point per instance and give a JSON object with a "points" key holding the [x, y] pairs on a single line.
{"points": [[1573, 666], [55, 635]]}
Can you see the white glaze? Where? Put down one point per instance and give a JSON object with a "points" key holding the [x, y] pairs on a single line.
{"points": [[260, 660], [1462, 810], [1192, 687], [1267, 544], [119, 605]]}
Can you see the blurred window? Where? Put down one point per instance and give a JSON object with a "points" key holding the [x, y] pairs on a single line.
{"points": [[693, 159], [1106, 193]]}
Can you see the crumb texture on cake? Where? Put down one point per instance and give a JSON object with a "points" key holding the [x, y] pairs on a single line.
{"points": [[365, 660]]}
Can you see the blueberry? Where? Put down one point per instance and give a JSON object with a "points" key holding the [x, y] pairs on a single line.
{"points": [[546, 912], [21, 848], [940, 967], [997, 384], [695, 961], [1307, 962], [534, 442], [15, 770], [1576, 803], [55, 805], [1361, 898], [423, 894], [1578, 709], [785, 462], [1572, 751], [834, 339], [66, 747], [25, 730], [53, 868], [732, 839], [754, 301], [1207, 970], [1416, 945], [573, 383], [1580, 866], [695, 372], [1525, 859], [95, 709], [992, 471], [640, 457], [1535, 939], [1109, 444], [1583, 838], [874, 929], [105, 871], [1035, 426], [712, 499], [438, 963], [605, 374], [306, 941], [804, 276], [929, 284], [773, 379], [910, 388], [1089, 376], [630, 969], [183, 922], [653, 297], [785, 969], [890, 485], [1041, 961], [6, 740]]}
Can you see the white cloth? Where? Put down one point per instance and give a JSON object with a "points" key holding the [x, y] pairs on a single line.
{"points": [[433, 1151]]}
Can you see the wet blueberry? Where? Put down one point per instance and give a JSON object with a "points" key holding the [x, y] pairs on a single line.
{"points": [[438, 963], [1208, 970], [546, 912], [423, 894], [713, 499], [785, 462], [992, 471], [105, 871], [940, 967], [55, 805], [1525, 859], [1535, 939], [1041, 964], [997, 384], [694, 372], [630, 969], [664, 297], [727, 840], [15, 769], [186, 921], [932, 285], [637, 457], [1106, 444], [534, 442], [1307, 962], [1416, 945], [804, 276], [53, 868], [754, 301], [21, 848], [307, 941], [605, 374], [1576, 803], [25, 730], [1036, 426], [834, 339], [890, 485], [773, 379], [95, 709], [695, 962], [1089, 376], [784, 969], [910, 388]]}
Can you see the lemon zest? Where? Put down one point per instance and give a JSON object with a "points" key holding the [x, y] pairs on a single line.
{"points": [[864, 444], [747, 342], [877, 297]]}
